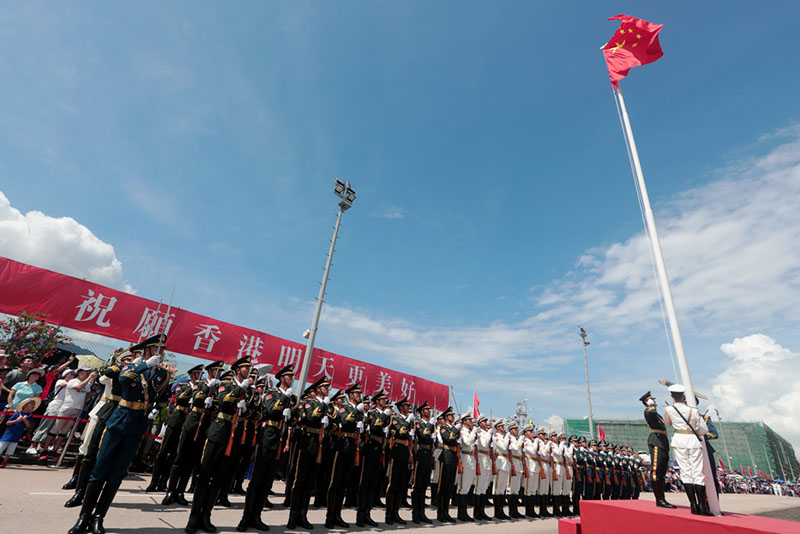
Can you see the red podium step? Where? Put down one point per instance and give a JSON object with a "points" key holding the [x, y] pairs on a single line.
{"points": [[631, 517]]}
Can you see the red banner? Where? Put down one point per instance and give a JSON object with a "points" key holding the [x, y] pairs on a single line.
{"points": [[89, 307]]}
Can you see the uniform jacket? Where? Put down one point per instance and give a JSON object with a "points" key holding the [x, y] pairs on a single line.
{"points": [[684, 437]]}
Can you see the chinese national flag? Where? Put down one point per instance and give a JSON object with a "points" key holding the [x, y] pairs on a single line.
{"points": [[635, 43], [601, 433], [475, 403], [748, 471], [760, 474], [721, 464]]}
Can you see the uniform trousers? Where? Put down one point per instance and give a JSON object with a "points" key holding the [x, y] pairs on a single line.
{"points": [[516, 479], [501, 481], [397, 479], [485, 478], [467, 476], [691, 463], [557, 484], [369, 477], [117, 449], [421, 478], [546, 481], [566, 484], [341, 473], [531, 485]]}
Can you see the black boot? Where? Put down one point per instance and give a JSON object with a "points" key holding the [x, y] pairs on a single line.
{"points": [[499, 501], [529, 509], [658, 490], [476, 507], [576, 505], [209, 500], [513, 508], [565, 506], [543, 506], [103, 503], [692, 498], [461, 504], [702, 500], [153, 486], [84, 472], [72, 483], [89, 501]]}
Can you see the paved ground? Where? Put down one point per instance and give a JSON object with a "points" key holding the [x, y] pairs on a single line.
{"points": [[31, 499]]}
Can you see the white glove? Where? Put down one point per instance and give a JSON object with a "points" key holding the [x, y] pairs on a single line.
{"points": [[388, 411], [152, 361], [474, 432], [360, 426], [360, 407], [410, 418], [242, 405], [326, 400], [137, 360], [213, 382], [245, 383], [163, 431], [191, 401], [458, 426], [287, 414], [288, 392], [325, 421], [411, 433], [386, 431], [153, 413], [209, 402]]}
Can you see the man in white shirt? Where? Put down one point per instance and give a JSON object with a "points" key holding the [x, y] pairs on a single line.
{"points": [[467, 477], [530, 448], [687, 446], [72, 406], [500, 443], [53, 408], [517, 470], [545, 481]]}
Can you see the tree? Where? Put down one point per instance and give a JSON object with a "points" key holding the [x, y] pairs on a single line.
{"points": [[29, 336]]}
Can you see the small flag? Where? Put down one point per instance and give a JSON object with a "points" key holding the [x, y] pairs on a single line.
{"points": [[601, 433], [721, 464], [741, 469], [635, 43], [748, 471], [475, 403], [760, 474]]}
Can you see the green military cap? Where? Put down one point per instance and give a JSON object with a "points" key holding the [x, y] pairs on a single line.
{"points": [[448, 411], [402, 402], [288, 370], [241, 362], [195, 369], [423, 406], [215, 365], [379, 395], [355, 388], [338, 395], [227, 375], [156, 340]]}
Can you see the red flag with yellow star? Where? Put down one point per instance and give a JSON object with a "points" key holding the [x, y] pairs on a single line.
{"points": [[634, 44]]}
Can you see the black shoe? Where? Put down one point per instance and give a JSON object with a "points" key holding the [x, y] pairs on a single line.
{"points": [[664, 504], [206, 525], [167, 500], [75, 500], [152, 487], [223, 500], [72, 483], [268, 505], [97, 525], [180, 499], [243, 525], [341, 522], [389, 520], [399, 520], [83, 524], [368, 520], [330, 523], [303, 523], [425, 519]]}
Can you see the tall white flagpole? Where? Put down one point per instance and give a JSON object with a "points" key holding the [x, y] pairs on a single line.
{"points": [[663, 281]]}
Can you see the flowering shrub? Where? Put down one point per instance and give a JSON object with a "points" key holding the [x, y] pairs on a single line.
{"points": [[29, 336]]}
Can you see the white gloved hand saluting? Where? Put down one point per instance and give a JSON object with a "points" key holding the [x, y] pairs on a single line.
{"points": [[287, 414], [137, 360], [152, 361], [360, 426], [153, 413], [245, 383], [288, 392], [327, 400], [209, 402], [242, 405], [410, 418]]}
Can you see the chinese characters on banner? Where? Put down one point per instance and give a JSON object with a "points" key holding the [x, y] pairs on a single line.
{"points": [[89, 307]]}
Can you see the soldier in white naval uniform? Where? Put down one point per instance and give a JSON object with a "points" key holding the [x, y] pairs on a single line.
{"points": [[503, 464], [568, 450], [544, 481], [466, 478], [687, 447], [530, 451], [517, 470], [484, 444], [558, 476]]}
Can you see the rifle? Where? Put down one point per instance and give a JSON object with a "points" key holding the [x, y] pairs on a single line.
{"points": [[356, 443], [542, 474], [493, 457], [233, 432], [525, 472], [319, 441], [553, 468], [458, 453], [477, 462]]}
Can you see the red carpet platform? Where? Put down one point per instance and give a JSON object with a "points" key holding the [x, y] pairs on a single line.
{"points": [[630, 517]]}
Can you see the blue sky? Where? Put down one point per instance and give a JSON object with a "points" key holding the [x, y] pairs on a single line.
{"points": [[495, 207]]}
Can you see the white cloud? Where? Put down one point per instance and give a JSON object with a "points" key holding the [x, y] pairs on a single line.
{"points": [[556, 423], [392, 211], [761, 383], [61, 244]]}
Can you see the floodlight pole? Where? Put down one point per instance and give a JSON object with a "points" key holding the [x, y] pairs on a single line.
{"points": [[588, 390], [344, 205]]}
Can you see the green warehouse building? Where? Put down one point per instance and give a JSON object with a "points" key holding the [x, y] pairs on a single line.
{"points": [[739, 445]]}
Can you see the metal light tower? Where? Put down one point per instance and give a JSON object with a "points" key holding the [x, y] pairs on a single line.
{"points": [[347, 196], [724, 443], [588, 390]]}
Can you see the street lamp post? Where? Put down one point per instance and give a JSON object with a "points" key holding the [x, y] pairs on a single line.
{"points": [[347, 196], [588, 390]]}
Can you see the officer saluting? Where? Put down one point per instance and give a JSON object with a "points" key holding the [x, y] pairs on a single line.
{"points": [[658, 444], [143, 385]]}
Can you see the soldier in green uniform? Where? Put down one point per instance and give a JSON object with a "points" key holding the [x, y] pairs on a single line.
{"points": [[241, 376], [174, 423], [275, 412], [658, 444], [215, 462], [377, 426], [400, 433], [349, 416], [143, 385], [109, 402], [313, 420], [192, 437], [424, 431], [448, 436]]}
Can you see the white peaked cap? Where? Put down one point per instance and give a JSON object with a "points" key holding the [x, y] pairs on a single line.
{"points": [[677, 388]]}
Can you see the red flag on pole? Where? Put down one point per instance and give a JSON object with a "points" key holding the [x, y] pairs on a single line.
{"points": [[475, 403], [601, 433], [721, 464], [760, 474], [741, 469], [635, 43], [748, 471]]}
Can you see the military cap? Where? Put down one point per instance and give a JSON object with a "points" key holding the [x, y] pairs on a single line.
{"points": [[528, 428], [582, 439], [121, 355], [616, 447], [226, 375], [593, 442], [562, 435], [499, 422], [338, 395], [156, 340], [542, 431], [288, 370], [573, 437], [553, 433], [481, 419], [676, 390], [448, 411], [241, 362], [512, 425], [402, 402], [379, 395], [602, 443], [262, 381], [195, 369], [423, 406], [355, 388], [322, 382], [440, 417], [365, 398], [646, 396], [630, 449], [465, 416], [253, 373], [215, 365]]}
